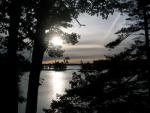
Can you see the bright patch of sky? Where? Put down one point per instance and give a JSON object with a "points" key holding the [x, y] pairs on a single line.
{"points": [[94, 36]]}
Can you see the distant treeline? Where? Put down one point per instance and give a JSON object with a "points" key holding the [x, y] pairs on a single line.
{"points": [[55, 66], [101, 64]]}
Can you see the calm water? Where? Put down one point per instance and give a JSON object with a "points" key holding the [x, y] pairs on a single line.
{"points": [[52, 83]]}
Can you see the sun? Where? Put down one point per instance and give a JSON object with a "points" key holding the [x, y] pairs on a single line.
{"points": [[56, 41]]}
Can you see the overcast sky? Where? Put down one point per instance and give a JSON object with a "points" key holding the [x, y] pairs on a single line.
{"points": [[94, 36]]}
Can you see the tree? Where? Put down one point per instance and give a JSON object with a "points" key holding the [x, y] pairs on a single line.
{"points": [[57, 14], [10, 25], [65, 10], [138, 13], [12, 42], [66, 60], [118, 85], [34, 28]]}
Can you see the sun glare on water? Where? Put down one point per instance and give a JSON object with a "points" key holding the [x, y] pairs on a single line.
{"points": [[56, 41]]}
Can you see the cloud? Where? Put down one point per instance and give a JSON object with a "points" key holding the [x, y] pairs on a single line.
{"points": [[82, 46], [94, 36]]}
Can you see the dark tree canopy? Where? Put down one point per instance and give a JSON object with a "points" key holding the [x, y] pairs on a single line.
{"points": [[135, 11], [118, 84], [23, 25]]}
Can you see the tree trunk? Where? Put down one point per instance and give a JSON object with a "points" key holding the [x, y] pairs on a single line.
{"points": [[146, 33], [12, 78], [34, 80], [147, 44], [37, 56]]}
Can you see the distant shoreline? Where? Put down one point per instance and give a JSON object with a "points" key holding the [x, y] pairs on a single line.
{"points": [[51, 68], [65, 64]]}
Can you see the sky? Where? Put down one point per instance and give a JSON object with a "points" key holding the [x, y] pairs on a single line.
{"points": [[93, 37]]}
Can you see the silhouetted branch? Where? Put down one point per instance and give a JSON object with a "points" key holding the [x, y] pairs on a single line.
{"points": [[79, 22]]}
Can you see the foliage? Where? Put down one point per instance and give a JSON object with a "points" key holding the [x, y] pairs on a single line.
{"points": [[120, 85], [56, 51], [136, 23], [66, 60], [59, 66], [23, 32], [55, 14], [58, 16]]}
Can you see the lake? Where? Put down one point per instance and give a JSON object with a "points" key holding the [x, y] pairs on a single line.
{"points": [[52, 83]]}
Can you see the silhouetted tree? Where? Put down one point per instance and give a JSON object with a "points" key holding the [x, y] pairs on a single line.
{"points": [[65, 10], [120, 85], [13, 41], [50, 15], [138, 15], [9, 26], [66, 60], [59, 66]]}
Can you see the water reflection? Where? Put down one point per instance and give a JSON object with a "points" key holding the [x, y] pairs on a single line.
{"points": [[57, 83], [52, 83]]}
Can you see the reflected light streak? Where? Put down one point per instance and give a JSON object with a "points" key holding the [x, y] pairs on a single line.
{"points": [[57, 85]]}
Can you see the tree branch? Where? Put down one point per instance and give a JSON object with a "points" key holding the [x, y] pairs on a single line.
{"points": [[79, 22]]}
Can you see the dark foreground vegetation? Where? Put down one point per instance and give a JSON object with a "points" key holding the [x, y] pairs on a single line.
{"points": [[118, 84]]}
